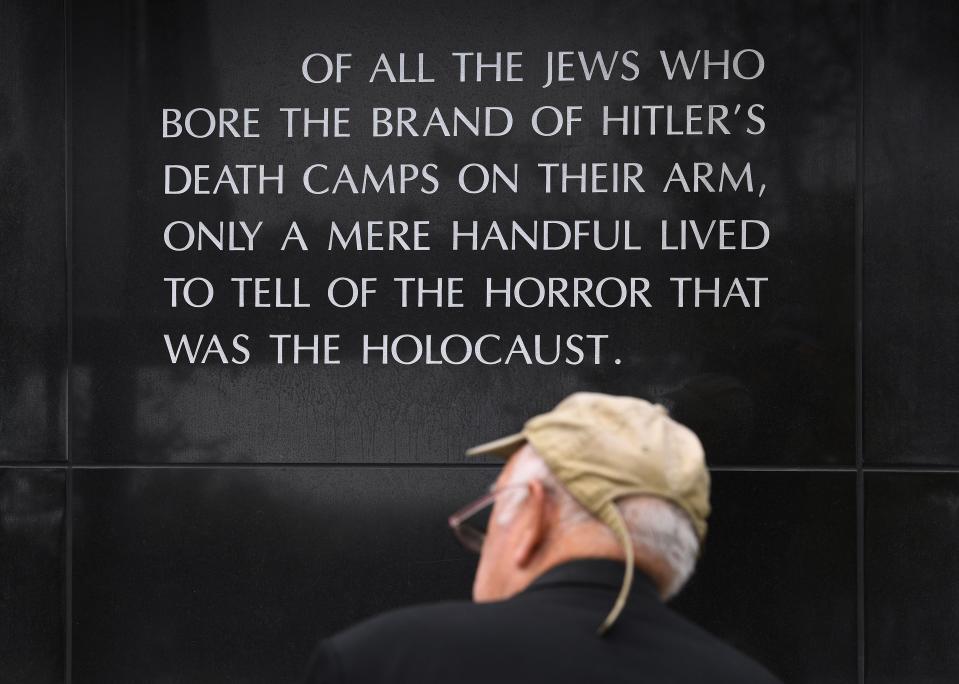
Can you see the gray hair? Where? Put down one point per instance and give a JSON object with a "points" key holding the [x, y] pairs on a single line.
{"points": [[656, 527]]}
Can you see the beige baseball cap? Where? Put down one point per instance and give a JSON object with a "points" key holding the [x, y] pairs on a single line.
{"points": [[603, 448]]}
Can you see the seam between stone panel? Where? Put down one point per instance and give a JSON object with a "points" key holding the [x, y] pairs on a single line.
{"points": [[60, 465], [491, 464], [68, 418], [860, 305]]}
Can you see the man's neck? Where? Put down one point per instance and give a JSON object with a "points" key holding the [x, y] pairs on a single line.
{"points": [[583, 542]]}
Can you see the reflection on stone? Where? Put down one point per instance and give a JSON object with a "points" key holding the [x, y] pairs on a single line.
{"points": [[32, 567]]}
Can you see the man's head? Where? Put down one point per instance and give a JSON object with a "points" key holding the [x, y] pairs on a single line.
{"points": [[537, 524], [599, 476]]}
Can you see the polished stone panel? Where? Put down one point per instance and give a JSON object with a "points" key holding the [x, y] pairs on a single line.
{"points": [[911, 149], [767, 385], [778, 573], [32, 265], [32, 604], [233, 574], [912, 562], [199, 575]]}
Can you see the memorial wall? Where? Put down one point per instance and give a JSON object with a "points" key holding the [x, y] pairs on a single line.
{"points": [[269, 269]]}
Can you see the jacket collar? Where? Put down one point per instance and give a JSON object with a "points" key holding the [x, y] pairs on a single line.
{"points": [[602, 572]]}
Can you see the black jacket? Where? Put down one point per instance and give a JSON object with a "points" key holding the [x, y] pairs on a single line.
{"points": [[547, 633]]}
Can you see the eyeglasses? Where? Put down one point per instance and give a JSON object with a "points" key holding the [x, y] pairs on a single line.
{"points": [[472, 533]]}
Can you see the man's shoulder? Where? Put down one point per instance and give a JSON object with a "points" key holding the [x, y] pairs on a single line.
{"points": [[434, 642], [413, 639], [445, 620], [712, 653]]}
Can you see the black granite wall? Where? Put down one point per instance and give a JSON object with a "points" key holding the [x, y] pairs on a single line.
{"points": [[166, 523]]}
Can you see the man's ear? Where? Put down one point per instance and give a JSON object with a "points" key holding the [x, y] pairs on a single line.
{"points": [[532, 520]]}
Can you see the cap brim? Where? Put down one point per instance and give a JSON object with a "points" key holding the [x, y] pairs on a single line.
{"points": [[501, 448]]}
